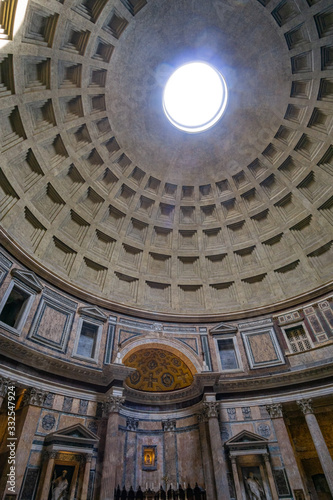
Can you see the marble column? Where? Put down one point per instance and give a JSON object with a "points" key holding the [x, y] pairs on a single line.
{"points": [[86, 476], [4, 382], [219, 463], [287, 451], [111, 457], [46, 475], [271, 481], [33, 400], [170, 450], [323, 453], [236, 478], [206, 456]]}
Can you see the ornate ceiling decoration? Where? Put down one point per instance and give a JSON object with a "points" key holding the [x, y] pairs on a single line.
{"points": [[105, 195], [157, 370]]}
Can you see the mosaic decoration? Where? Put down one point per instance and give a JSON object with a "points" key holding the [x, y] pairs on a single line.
{"points": [[157, 370]]}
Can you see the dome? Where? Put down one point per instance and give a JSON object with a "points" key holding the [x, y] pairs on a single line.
{"points": [[104, 196], [166, 306]]}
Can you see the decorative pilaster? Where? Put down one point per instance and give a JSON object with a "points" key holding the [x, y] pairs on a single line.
{"points": [[318, 439], [271, 481], [32, 402], [86, 475], [130, 450], [287, 451], [112, 407], [221, 481], [206, 454], [170, 447]]}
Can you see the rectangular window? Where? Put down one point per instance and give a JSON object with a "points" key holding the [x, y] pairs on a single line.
{"points": [[298, 339], [88, 340], [14, 307], [228, 355]]}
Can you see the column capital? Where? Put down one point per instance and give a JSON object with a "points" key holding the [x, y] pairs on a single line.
{"points": [[48, 455], [34, 397], [88, 458], [4, 383], [202, 416], [233, 460], [266, 457], [275, 410], [305, 405], [132, 424], [211, 408], [169, 425], [113, 404]]}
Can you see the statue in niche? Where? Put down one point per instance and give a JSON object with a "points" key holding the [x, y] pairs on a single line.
{"points": [[59, 486], [254, 488]]}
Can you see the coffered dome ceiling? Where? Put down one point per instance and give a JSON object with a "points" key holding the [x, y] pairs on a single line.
{"points": [[104, 197]]}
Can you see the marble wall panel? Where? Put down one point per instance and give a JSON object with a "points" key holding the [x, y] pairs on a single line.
{"points": [[189, 457], [68, 420], [53, 321]]}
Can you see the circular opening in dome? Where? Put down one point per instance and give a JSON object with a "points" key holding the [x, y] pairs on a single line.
{"points": [[195, 97]]}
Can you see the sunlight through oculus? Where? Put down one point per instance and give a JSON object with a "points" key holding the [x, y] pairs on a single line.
{"points": [[195, 97]]}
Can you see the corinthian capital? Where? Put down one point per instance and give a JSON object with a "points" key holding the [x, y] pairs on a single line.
{"points": [[34, 397], [305, 405], [169, 425], [113, 404], [202, 416], [211, 408], [275, 410], [4, 382]]}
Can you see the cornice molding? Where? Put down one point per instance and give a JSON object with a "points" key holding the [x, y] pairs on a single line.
{"points": [[103, 378], [63, 368]]}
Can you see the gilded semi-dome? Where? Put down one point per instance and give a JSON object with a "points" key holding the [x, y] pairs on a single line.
{"points": [[102, 196]]}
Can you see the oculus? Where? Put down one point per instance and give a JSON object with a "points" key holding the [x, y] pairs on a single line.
{"points": [[195, 97]]}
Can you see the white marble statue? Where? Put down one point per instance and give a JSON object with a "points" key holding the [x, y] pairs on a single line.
{"points": [[255, 489], [59, 486]]}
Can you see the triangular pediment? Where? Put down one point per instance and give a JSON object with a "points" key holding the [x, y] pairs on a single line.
{"points": [[93, 312], [75, 434], [28, 278], [246, 438], [223, 328]]}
